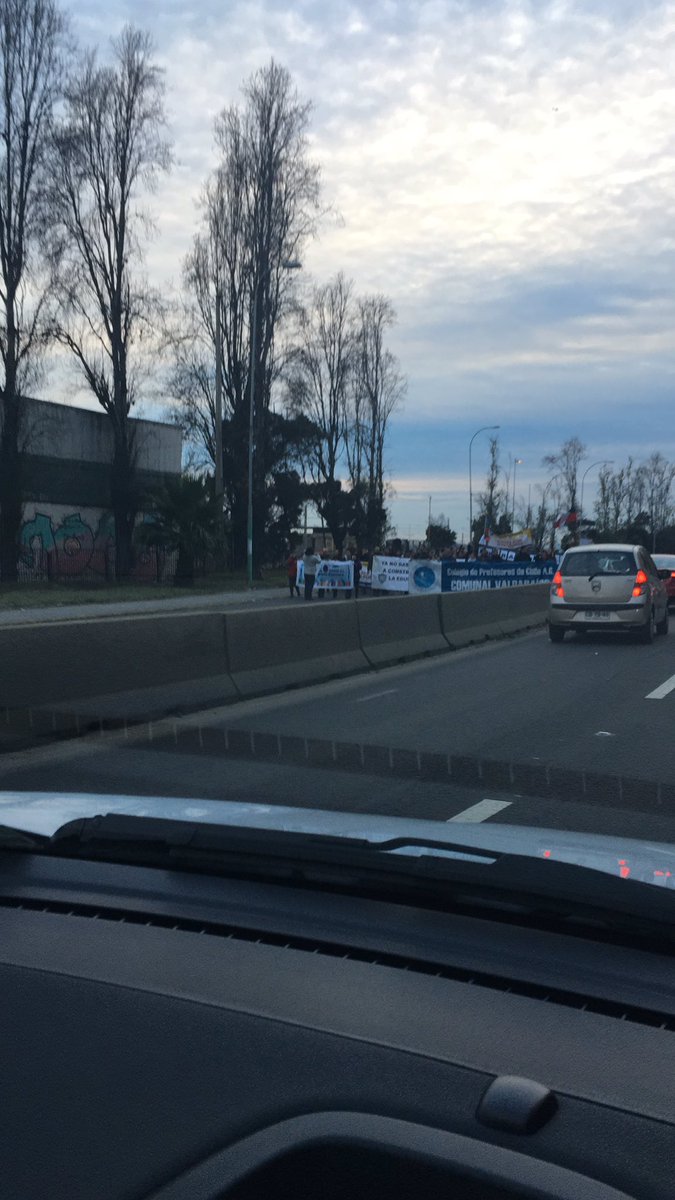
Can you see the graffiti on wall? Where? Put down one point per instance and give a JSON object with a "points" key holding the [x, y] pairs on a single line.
{"points": [[72, 545]]}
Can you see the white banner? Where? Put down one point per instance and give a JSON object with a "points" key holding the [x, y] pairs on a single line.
{"points": [[331, 574], [424, 577], [508, 541], [390, 574]]}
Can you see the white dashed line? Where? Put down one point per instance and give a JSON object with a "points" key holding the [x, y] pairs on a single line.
{"points": [[662, 690], [481, 811], [376, 695]]}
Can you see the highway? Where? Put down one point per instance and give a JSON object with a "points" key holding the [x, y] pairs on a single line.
{"points": [[571, 736]]}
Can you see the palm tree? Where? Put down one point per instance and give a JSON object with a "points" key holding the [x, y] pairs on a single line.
{"points": [[184, 517]]}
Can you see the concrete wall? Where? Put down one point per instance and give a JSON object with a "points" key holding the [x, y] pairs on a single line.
{"points": [[63, 431], [59, 541]]}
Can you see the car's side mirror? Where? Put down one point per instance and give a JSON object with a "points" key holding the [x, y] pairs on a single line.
{"points": [[664, 573]]}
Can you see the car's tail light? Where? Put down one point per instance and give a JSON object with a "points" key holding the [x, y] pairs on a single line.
{"points": [[640, 583], [672, 574], [558, 588]]}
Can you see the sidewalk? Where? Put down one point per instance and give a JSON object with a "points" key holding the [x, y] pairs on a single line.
{"points": [[205, 602]]}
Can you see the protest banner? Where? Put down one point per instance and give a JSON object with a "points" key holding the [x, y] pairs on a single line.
{"points": [[481, 576], [424, 577], [334, 575], [331, 574], [508, 541], [389, 574]]}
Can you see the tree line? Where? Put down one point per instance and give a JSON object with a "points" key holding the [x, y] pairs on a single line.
{"points": [[634, 500], [311, 386]]}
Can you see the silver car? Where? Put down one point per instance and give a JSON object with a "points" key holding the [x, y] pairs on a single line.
{"points": [[615, 588]]}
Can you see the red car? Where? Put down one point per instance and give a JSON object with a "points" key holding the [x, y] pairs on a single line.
{"points": [[666, 562]]}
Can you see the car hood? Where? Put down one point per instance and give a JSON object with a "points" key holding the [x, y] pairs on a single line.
{"points": [[648, 861]]}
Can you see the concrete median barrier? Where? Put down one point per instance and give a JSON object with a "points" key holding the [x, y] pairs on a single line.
{"points": [[396, 629], [524, 607], [140, 668], [469, 617], [62, 662], [278, 648]]}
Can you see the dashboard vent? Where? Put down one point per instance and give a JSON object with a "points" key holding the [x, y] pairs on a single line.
{"points": [[517, 987]]}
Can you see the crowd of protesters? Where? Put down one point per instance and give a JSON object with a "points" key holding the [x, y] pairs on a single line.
{"points": [[311, 561]]}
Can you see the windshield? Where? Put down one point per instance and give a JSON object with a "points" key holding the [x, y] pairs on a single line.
{"points": [[596, 562], [336, 438]]}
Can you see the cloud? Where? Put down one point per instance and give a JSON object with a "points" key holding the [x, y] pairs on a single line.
{"points": [[503, 169]]}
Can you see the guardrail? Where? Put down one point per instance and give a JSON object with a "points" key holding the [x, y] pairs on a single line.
{"points": [[140, 668]]}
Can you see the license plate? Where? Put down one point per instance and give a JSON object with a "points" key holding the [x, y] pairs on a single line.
{"points": [[596, 615]]}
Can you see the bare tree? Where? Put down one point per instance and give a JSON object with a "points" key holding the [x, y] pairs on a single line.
{"points": [[567, 460], [32, 42], [109, 146], [192, 382], [658, 478], [260, 206], [494, 499], [604, 500], [378, 390], [318, 386], [488, 499]]}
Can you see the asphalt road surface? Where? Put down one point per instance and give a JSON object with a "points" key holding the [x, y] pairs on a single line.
{"points": [[572, 736]]}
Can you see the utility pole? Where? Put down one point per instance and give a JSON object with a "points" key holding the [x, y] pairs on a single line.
{"points": [[517, 462], [219, 408], [251, 410], [482, 429]]}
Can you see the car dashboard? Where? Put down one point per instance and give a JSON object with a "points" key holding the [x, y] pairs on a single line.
{"points": [[172, 1035]]}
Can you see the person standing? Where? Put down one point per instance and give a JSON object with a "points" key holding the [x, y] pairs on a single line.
{"points": [[310, 562], [292, 568]]}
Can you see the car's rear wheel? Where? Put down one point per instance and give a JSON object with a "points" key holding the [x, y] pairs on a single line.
{"points": [[555, 633], [662, 626], [646, 634]]}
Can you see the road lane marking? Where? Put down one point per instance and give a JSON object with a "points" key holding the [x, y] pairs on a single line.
{"points": [[662, 690], [481, 811], [376, 695]]}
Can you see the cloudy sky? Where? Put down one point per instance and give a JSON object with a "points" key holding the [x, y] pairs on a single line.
{"points": [[503, 170]]}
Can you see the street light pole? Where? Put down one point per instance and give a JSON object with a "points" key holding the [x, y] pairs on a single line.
{"points": [[602, 462], [219, 411], [288, 266], [483, 429], [251, 409], [517, 462]]}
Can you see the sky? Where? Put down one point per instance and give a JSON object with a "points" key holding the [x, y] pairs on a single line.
{"points": [[504, 171]]}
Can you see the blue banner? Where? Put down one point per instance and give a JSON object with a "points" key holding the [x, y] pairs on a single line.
{"points": [[480, 576]]}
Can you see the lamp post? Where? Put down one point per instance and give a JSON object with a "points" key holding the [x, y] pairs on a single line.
{"points": [[517, 462], [602, 462], [292, 265], [483, 429], [220, 489]]}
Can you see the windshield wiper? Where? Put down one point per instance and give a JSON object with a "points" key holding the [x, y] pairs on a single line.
{"points": [[12, 838], [422, 870]]}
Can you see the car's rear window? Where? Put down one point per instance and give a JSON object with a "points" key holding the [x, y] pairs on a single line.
{"points": [[663, 561], [599, 562]]}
